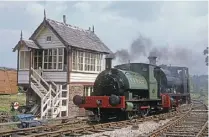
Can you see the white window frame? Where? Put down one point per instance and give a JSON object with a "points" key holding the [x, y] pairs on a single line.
{"points": [[88, 90], [52, 62], [20, 52], [47, 40], [37, 56], [93, 57]]}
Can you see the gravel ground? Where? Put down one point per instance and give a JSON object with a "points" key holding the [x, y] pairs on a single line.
{"points": [[143, 129]]}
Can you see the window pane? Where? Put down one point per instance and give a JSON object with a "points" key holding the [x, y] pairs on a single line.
{"points": [[39, 64], [39, 59], [21, 59], [60, 51], [74, 66], [50, 52], [98, 68], [46, 52], [59, 65], [27, 59], [50, 58], [54, 59], [49, 65], [48, 38], [35, 66], [54, 65], [39, 52], [54, 51], [60, 58], [35, 60], [45, 58], [45, 65]]}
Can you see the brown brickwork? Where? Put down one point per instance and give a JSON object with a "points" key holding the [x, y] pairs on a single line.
{"points": [[75, 89]]}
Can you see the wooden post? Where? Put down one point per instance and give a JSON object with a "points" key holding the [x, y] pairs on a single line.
{"points": [[42, 108], [68, 95]]}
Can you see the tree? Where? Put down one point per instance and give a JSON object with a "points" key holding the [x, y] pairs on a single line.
{"points": [[205, 52]]}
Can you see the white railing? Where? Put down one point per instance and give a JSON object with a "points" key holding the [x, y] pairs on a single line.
{"points": [[39, 84], [46, 103], [49, 101], [56, 87], [56, 99], [39, 78], [36, 90]]}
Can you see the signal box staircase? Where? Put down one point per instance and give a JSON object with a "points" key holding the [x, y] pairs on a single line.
{"points": [[51, 95]]}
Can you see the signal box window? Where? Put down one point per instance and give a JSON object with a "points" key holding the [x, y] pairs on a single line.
{"points": [[48, 38], [88, 90]]}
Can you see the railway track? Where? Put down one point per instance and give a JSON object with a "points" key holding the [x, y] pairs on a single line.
{"points": [[69, 123], [193, 123], [96, 128], [79, 128]]}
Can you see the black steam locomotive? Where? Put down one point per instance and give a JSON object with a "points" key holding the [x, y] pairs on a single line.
{"points": [[134, 89]]}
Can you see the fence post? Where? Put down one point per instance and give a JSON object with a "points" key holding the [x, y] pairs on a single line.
{"points": [[42, 108], [68, 96]]}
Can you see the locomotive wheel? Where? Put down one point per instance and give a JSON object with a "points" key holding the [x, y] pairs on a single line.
{"points": [[129, 115], [144, 112]]}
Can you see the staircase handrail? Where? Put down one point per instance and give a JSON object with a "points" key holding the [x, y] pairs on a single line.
{"points": [[46, 101], [40, 77], [38, 83], [39, 93], [47, 84], [50, 80], [44, 98], [56, 97]]}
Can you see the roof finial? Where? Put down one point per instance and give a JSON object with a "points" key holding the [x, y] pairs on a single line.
{"points": [[93, 29], [44, 14], [21, 35]]}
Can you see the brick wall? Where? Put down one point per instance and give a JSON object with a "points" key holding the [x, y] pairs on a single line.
{"points": [[75, 89]]}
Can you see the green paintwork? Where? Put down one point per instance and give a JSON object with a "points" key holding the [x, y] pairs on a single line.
{"points": [[135, 80], [145, 72], [129, 106], [153, 87]]}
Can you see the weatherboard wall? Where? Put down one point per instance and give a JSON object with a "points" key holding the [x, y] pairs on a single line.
{"points": [[42, 39]]}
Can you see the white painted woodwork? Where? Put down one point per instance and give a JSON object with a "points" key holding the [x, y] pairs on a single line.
{"points": [[23, 48], [89, 91], [82, 77], [85, 76], [51, 104], [23, 77], [55, 76], [42, 36], [103, 63]]}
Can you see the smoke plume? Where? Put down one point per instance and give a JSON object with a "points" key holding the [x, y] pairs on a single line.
{"points": [[175, 55], [139, 47], [123, 55]]}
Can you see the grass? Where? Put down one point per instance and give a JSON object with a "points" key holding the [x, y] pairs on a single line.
{"points": [[202, 96], [6, 100]]}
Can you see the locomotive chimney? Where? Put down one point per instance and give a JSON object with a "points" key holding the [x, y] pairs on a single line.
{"points": [[152, 60], [108, 61]]}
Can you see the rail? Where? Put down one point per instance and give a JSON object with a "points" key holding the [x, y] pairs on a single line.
{"points": [[192, 119], [95, 128]]}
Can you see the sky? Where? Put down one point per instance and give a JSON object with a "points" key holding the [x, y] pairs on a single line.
{"points": [[182, 26]]}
